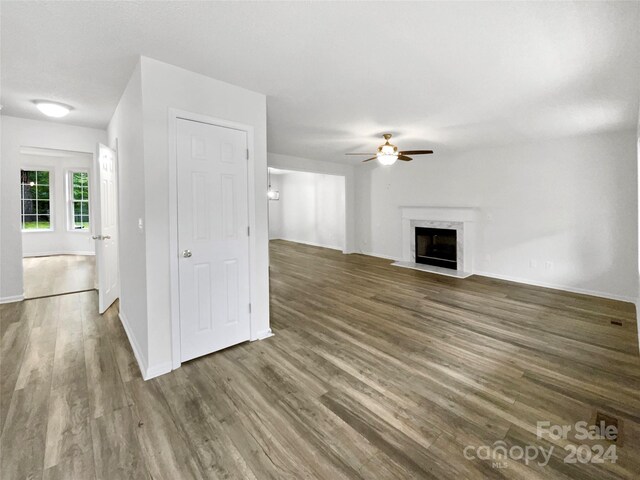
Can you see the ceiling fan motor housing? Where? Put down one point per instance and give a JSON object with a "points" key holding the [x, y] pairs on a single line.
{"points": [[387, 148], [387, 153]]}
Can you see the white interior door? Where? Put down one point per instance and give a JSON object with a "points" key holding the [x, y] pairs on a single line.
{"points": [[105, 231], [213, 241]]}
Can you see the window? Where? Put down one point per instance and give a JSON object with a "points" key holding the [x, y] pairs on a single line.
{"points": [[36, 205], [79, 200]]}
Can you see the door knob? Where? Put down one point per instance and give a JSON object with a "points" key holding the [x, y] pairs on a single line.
{"points": [[186, 253], [101, 237]]}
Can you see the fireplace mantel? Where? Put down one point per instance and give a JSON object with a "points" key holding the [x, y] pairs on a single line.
{"points": [[444, 214], [462, 219]]}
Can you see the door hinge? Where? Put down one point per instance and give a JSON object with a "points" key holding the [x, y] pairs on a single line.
{"points": [[247, 154], [248, 231], [249, 308]]}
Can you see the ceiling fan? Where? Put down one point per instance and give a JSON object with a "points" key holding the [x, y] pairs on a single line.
{"points": [[387, 153]]}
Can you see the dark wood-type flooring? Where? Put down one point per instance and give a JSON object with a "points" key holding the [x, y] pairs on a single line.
{"points": [[374, 372]]}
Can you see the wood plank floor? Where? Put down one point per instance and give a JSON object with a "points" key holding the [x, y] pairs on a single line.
{"points": [[374, 372], [58, 274]]}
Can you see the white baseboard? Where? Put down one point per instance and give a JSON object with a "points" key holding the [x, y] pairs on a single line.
{"points": [[58, 252], [313, 244], [157, 370], [148, 372], [565, 288], [137, 351], [12, 299], [264, 334], [554, 286], [378, 255]]}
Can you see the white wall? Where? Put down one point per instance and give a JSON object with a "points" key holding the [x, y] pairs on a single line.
{"points": [[61, 240], [126, 136], [17, 132], [164, 87], [287, 162], [311, 209], [572, 202]]}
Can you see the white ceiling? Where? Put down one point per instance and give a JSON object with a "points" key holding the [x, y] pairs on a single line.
{"points": [[338, 75]]}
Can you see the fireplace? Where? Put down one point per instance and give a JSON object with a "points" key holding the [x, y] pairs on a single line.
{"points": [[454, 255], [437, 247]]}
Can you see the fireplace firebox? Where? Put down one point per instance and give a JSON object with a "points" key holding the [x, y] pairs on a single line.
{"points": [[437, 247]]}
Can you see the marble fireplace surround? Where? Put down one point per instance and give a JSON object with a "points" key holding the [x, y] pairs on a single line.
{"points": [[461, 219]]}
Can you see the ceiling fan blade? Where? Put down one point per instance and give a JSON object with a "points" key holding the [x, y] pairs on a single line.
{"points": [[369, 159], [405, 158], [359, 153], [415, 152]]}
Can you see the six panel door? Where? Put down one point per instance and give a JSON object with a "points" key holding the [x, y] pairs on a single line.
{"points": [[213, 241], [106, 226]]}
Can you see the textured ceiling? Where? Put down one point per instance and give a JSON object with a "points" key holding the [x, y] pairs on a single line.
{"points": [[337, 75]]}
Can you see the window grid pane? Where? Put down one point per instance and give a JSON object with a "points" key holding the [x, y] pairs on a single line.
{"points": [[80, 200], [36, 205]]}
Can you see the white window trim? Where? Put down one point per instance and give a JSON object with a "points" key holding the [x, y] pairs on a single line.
{"points": [[69, 198], [52, 224]]}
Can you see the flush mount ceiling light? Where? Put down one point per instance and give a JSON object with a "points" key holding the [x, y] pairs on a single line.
{"points": [[52, 109], [387, 153]]}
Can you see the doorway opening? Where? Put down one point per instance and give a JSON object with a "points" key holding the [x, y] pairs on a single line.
{"points": [[55, 219], [68, 217], [306, 207]]}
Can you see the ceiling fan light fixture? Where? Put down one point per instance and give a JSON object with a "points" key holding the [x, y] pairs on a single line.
{"points": [[387, 153], [387, 158]]}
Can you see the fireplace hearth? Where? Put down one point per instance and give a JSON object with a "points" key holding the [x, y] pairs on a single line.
{"points": [[436, 246]]}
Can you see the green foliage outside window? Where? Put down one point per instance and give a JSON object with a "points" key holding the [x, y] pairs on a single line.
{"points": [[35, 201], [80, 192]]}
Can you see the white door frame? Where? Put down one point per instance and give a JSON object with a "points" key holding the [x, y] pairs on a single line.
{"points": [[174, 115]]}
